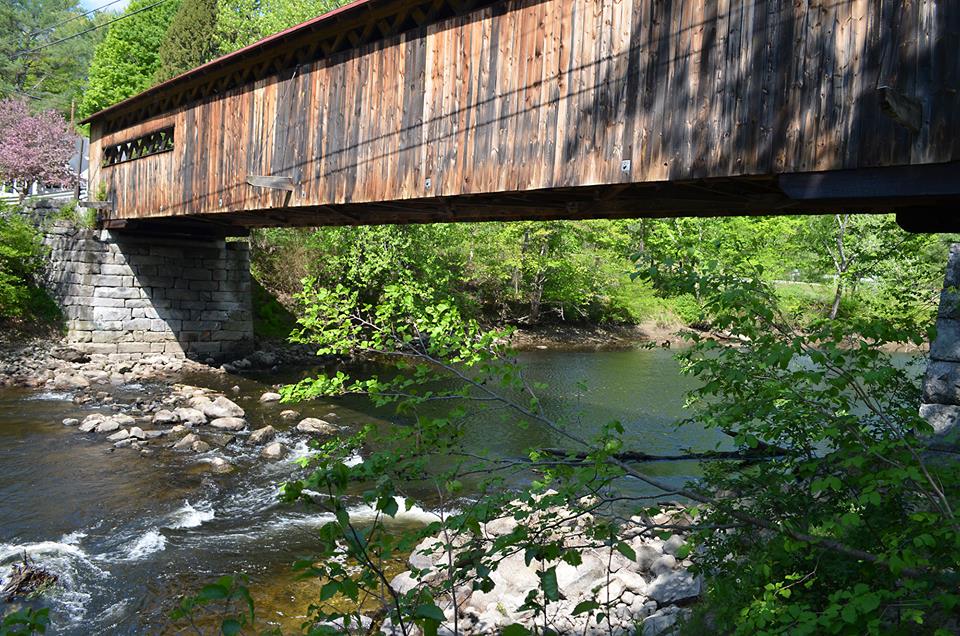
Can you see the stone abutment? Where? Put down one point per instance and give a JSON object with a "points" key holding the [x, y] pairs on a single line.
{"points": [[126, 295], [941, 385]]}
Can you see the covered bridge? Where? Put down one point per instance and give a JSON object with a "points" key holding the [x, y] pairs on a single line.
{"points": [[397, 111]]}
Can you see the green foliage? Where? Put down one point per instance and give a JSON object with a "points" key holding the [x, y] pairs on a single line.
{"points": [[190, 39], [31, 65], [127, 59], [858, 532], [243, 22], [226, 604], [439, 358], [271, 320], [22, 257], [25, 622]]}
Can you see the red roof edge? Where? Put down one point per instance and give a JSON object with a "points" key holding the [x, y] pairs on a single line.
{"points": [[227, 59]]}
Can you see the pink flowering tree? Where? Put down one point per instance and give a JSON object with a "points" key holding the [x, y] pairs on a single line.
{"points": [[34, 147]]}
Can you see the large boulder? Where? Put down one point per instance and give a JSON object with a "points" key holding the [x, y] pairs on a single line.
{"points": [[185, 442], [163, 416], [274, 450], [190, 416], [222, 407], [664, 622], [69, 382], [91, 422], [123, 419], [674, 587], [108, 425], [316, 426], [229, 423], [263, 435], [220, 465]]}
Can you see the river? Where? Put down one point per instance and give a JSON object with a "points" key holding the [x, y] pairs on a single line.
{"points": [[127, 534]]}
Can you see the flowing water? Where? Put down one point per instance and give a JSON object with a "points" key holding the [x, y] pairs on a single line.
{"points": [[126, 534]]}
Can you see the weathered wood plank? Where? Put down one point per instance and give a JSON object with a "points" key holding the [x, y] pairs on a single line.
{"points": [[533, 95]]}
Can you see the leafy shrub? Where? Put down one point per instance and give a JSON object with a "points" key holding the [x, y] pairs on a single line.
{"points": [[851, 528], [687, 308], [22, 256]]}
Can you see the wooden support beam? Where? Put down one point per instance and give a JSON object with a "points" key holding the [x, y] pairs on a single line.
{"points": [[937, 179], [275, 183]]}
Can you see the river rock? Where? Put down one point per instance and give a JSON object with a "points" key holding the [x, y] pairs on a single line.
{"points": [[647, 554], [220, 465], [270, 396], [69, 381], [91, 422], [186, 441], [123, 443], [163, 416], [70, 421], [216, 438], [674, 587], [199, 446], [262, 435], [222, 407], [403, 583], [137, 433], [665, 564], [123, 419], [108, 425], [189, 416], [664, 621], [673, 544], [119, 435], [289, 414], [316, 426], [274, 450], [229, 423]]}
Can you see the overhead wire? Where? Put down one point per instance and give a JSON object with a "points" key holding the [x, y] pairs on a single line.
{"points": [[94, 28], [72, 18]]}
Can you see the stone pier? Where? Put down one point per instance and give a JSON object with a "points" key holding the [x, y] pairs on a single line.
{"points": [[127, 295], [941, 385]]}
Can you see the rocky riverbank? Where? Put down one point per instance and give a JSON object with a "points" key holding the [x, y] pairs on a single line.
{"points": [[185, 418], [45, 363], [572, 337], [649, 594]]}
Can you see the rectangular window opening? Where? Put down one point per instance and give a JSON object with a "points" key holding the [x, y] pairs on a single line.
{"points": [[150, 144]]}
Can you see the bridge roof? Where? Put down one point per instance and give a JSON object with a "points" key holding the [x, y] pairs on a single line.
{"points": [[346, 27]]}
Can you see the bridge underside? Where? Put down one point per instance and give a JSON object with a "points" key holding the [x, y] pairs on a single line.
{"points": [[924, 197]]}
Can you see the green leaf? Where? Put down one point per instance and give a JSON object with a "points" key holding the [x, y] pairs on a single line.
{"points": [[548, 580], [329, 590], [515, 629], [625, 549], [231, 627], [585, 606], [430, 611]]}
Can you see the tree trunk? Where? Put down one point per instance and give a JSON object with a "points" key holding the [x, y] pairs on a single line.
{"points": [[835, 308]]}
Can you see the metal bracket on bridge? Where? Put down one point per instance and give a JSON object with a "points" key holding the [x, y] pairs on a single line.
{"points": [[275, 183]]}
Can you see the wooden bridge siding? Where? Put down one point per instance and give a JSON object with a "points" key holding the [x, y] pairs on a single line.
{"points": [[535, 94]]}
